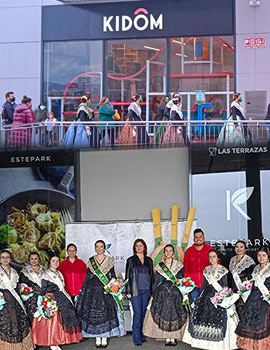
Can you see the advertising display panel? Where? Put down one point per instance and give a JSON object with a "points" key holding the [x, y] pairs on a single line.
{"points": [[37, 199]]}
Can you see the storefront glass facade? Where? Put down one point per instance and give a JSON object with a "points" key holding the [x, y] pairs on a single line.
{"points": [[116, 65]]}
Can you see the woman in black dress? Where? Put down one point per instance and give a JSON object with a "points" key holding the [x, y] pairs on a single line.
{"points": [[135, 114], [211, 327], [166, 318], [254, 327], [98, 312], [15, 332], [241, 267], [139, 272], [31, 275]]}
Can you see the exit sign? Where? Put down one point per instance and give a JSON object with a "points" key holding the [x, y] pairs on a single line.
{"points": [[255, 43]]}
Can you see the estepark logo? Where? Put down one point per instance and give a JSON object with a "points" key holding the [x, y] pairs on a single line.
{"points": [[214, 151], [239, 197], [142, 21]]}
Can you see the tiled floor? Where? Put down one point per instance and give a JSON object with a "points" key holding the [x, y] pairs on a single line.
{"points": [[123, 343]]}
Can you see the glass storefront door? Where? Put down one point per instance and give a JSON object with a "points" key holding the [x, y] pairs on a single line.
{"points": [[72, 69]]}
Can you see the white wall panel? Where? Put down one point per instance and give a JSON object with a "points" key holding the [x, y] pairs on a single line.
{"points": [[4, 87], [5, 25], [18, 24], [33, 24], [4, 61]]}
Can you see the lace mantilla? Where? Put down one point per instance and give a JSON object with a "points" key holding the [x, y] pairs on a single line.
{"points": [[264, 273], [219, 272], [175, 268], [242, 265], [6, 282], [106, 265], [32, 275], [10, 283]]}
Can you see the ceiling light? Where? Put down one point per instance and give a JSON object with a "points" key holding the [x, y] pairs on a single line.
{"points": [[177, 42], [254, 3], [179, 54], [151, 48]]}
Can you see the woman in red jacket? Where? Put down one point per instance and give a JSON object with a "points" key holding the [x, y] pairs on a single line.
{"points": [[21, 134], [74, 271]]}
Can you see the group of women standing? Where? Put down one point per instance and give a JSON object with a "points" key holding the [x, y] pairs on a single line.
{"points": [[157, 303]]}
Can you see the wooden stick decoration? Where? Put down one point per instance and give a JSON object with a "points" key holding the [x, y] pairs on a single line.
{"points": [[157, 226], [188, 227], [174, 229]]}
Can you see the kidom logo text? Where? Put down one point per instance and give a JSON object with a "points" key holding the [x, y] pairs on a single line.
{"points": [[141, 21]]}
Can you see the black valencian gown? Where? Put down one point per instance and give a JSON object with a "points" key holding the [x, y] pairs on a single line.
{"points": [[239, 272], [166, 317], [254, 327], [98, 313], [211, 327]]}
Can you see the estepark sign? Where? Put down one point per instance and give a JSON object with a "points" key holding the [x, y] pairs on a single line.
{"points": [[141, 21]]}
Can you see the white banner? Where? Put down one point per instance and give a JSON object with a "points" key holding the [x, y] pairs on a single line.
{"points": [[119, 238]]}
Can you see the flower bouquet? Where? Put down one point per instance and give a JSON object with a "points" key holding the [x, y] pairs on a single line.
{"points": [[25, 291], [186, 286], [2, 301], [226, 298], [115, 287], [245, 289], [46, 307]]}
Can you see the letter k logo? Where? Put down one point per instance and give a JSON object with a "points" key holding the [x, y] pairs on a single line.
{"points": [[238, 197]]}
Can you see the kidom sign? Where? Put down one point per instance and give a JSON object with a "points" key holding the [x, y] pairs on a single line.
{"points": [[141, 21]]}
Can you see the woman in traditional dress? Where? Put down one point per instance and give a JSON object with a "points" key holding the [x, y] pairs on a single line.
{"points": [[63, 327], [99, 314], [31, 275], [167, 317], [139, 272], [254, 327], [15, 332], [233, 133], [135, 114], [175, 134], [211, 327], [241, 267]]}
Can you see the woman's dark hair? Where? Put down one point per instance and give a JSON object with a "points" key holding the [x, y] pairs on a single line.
{"points": [[135, 97], [100, 241], [33, 253], [139, 240], [102, 101], [241, 241], [176, 100], [26, 99], [6, 251], [71, 245], [236, 95], [213, 251], [53, 256], [84, 99], [41, 104], [168, 245], [265, 250], [176, 94]]}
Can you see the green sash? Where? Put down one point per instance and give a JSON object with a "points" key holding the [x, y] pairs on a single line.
{"points": [[103, 278], [168, 273]]}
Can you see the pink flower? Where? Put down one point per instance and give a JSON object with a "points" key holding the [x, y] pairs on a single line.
{"points": [[216, 299], [249, 286]]}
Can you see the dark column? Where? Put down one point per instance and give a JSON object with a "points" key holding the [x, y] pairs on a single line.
{"points": [[168, 66], [254, 202]]}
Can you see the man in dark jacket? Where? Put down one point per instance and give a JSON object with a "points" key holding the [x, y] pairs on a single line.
{"points": [[8, 108]]}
